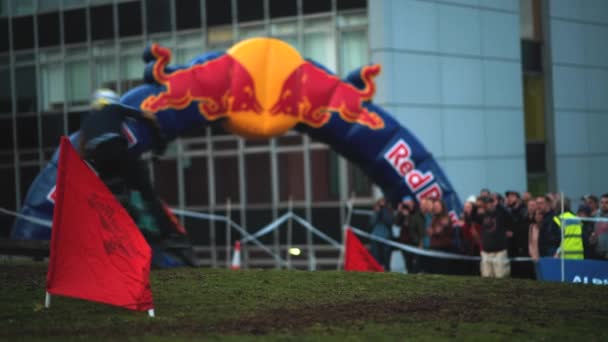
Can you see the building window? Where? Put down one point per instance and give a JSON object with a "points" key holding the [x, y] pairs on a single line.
{"points": [[129, 19], [316, 6], [25, 79], [48, 29], [283, 8], [351, 4], [22, 7], [6, 134], [102, 22], [158, 16], [23, 33], [218, 12], [79, 82], [52, 129], [74, 26], [4, 39], [52, 87], [353, 50], [188, 14], [258, 178], [27, 132], [250, 10], [5, 92]]}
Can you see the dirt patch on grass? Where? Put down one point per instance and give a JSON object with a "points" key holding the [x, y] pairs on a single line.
{"points": [[354, 315]]}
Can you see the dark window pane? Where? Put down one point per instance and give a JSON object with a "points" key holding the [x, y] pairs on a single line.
{"points": [[535, 157], [328, 221], [226, 179], [158, 14], [27, 132], [52, 129], [4, 34], [316, 6], [531, 56], [25, 78], [283, 8], [129, 19], [249, 10], [74, 26], [256, 219], [6, 134], [102, 23], [324, 171], [48, 29], [257, 178], [165, 176], [197, 191], [351, 4], [23, 33], [5, 92], [188, 14], [291, 176], [219, 12], [7, 200], [27, 174]]}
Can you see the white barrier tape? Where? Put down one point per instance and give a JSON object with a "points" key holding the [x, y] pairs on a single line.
{"points": [[196, 214], [240, 229], [268, 228], [363, 212], [316, 231], [589, 219], [32, 219], [430, 253]]}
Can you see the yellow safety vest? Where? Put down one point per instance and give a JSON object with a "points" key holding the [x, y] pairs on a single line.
{"points": [[572, 245]]}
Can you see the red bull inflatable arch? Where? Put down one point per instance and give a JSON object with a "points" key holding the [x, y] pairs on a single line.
{"points": [[261, 88]]}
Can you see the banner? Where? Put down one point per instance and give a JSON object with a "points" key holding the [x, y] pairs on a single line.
{"points": [[576, 271], [97, 252]]}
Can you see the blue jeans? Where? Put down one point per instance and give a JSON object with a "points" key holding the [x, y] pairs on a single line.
{"points": [[381, 251]]}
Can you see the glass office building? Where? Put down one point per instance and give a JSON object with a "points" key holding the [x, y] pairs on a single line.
{"points": [[507, 94]]}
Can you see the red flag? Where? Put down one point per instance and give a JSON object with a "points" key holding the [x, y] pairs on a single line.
{"points": [[356, 256], [97, 251]]}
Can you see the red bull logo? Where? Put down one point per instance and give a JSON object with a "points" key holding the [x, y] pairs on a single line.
{"points": [[221, 86], [261, 88], [311, 94]]}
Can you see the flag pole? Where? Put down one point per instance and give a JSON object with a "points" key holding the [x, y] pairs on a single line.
{"points": [[47, 300]]}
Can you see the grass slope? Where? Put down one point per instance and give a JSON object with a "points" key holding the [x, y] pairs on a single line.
{"points": [[270, 304]]}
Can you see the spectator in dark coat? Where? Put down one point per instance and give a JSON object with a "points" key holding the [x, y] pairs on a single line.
{"points": [[549, 235], [411, 221], [588, 226], [494, 223], [518, 244], [381, 222]]}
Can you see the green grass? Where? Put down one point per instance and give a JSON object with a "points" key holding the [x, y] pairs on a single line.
{"points": [[269, 304]]}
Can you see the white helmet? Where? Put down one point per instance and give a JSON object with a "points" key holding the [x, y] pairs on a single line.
{"points": [[102, 97]]}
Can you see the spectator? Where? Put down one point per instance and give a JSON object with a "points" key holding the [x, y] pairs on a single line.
{"points": [[592, 202], [549, 234], [585, 212], [518, 245], [526, 197], [411, 221], [381, 222], [531, 211], [599, 238], [485, 192], [426, 208], [494, 259], [441, 233], [470, 228], [533, 233], [572, 244]]}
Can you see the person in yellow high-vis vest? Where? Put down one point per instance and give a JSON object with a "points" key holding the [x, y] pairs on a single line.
{"points": [[572, 243]]}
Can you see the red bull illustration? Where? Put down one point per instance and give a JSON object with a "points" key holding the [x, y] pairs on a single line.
{"points": [[311, 94], [221, 86]]}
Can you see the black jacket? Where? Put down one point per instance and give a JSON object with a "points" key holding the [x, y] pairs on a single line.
{"points": [[494, 226], [549, 236]]}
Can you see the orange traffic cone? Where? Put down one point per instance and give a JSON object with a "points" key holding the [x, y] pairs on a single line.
{"points": [[236, 257]]}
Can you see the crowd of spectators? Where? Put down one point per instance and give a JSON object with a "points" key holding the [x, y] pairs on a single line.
{"points": [[498, 228]]}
